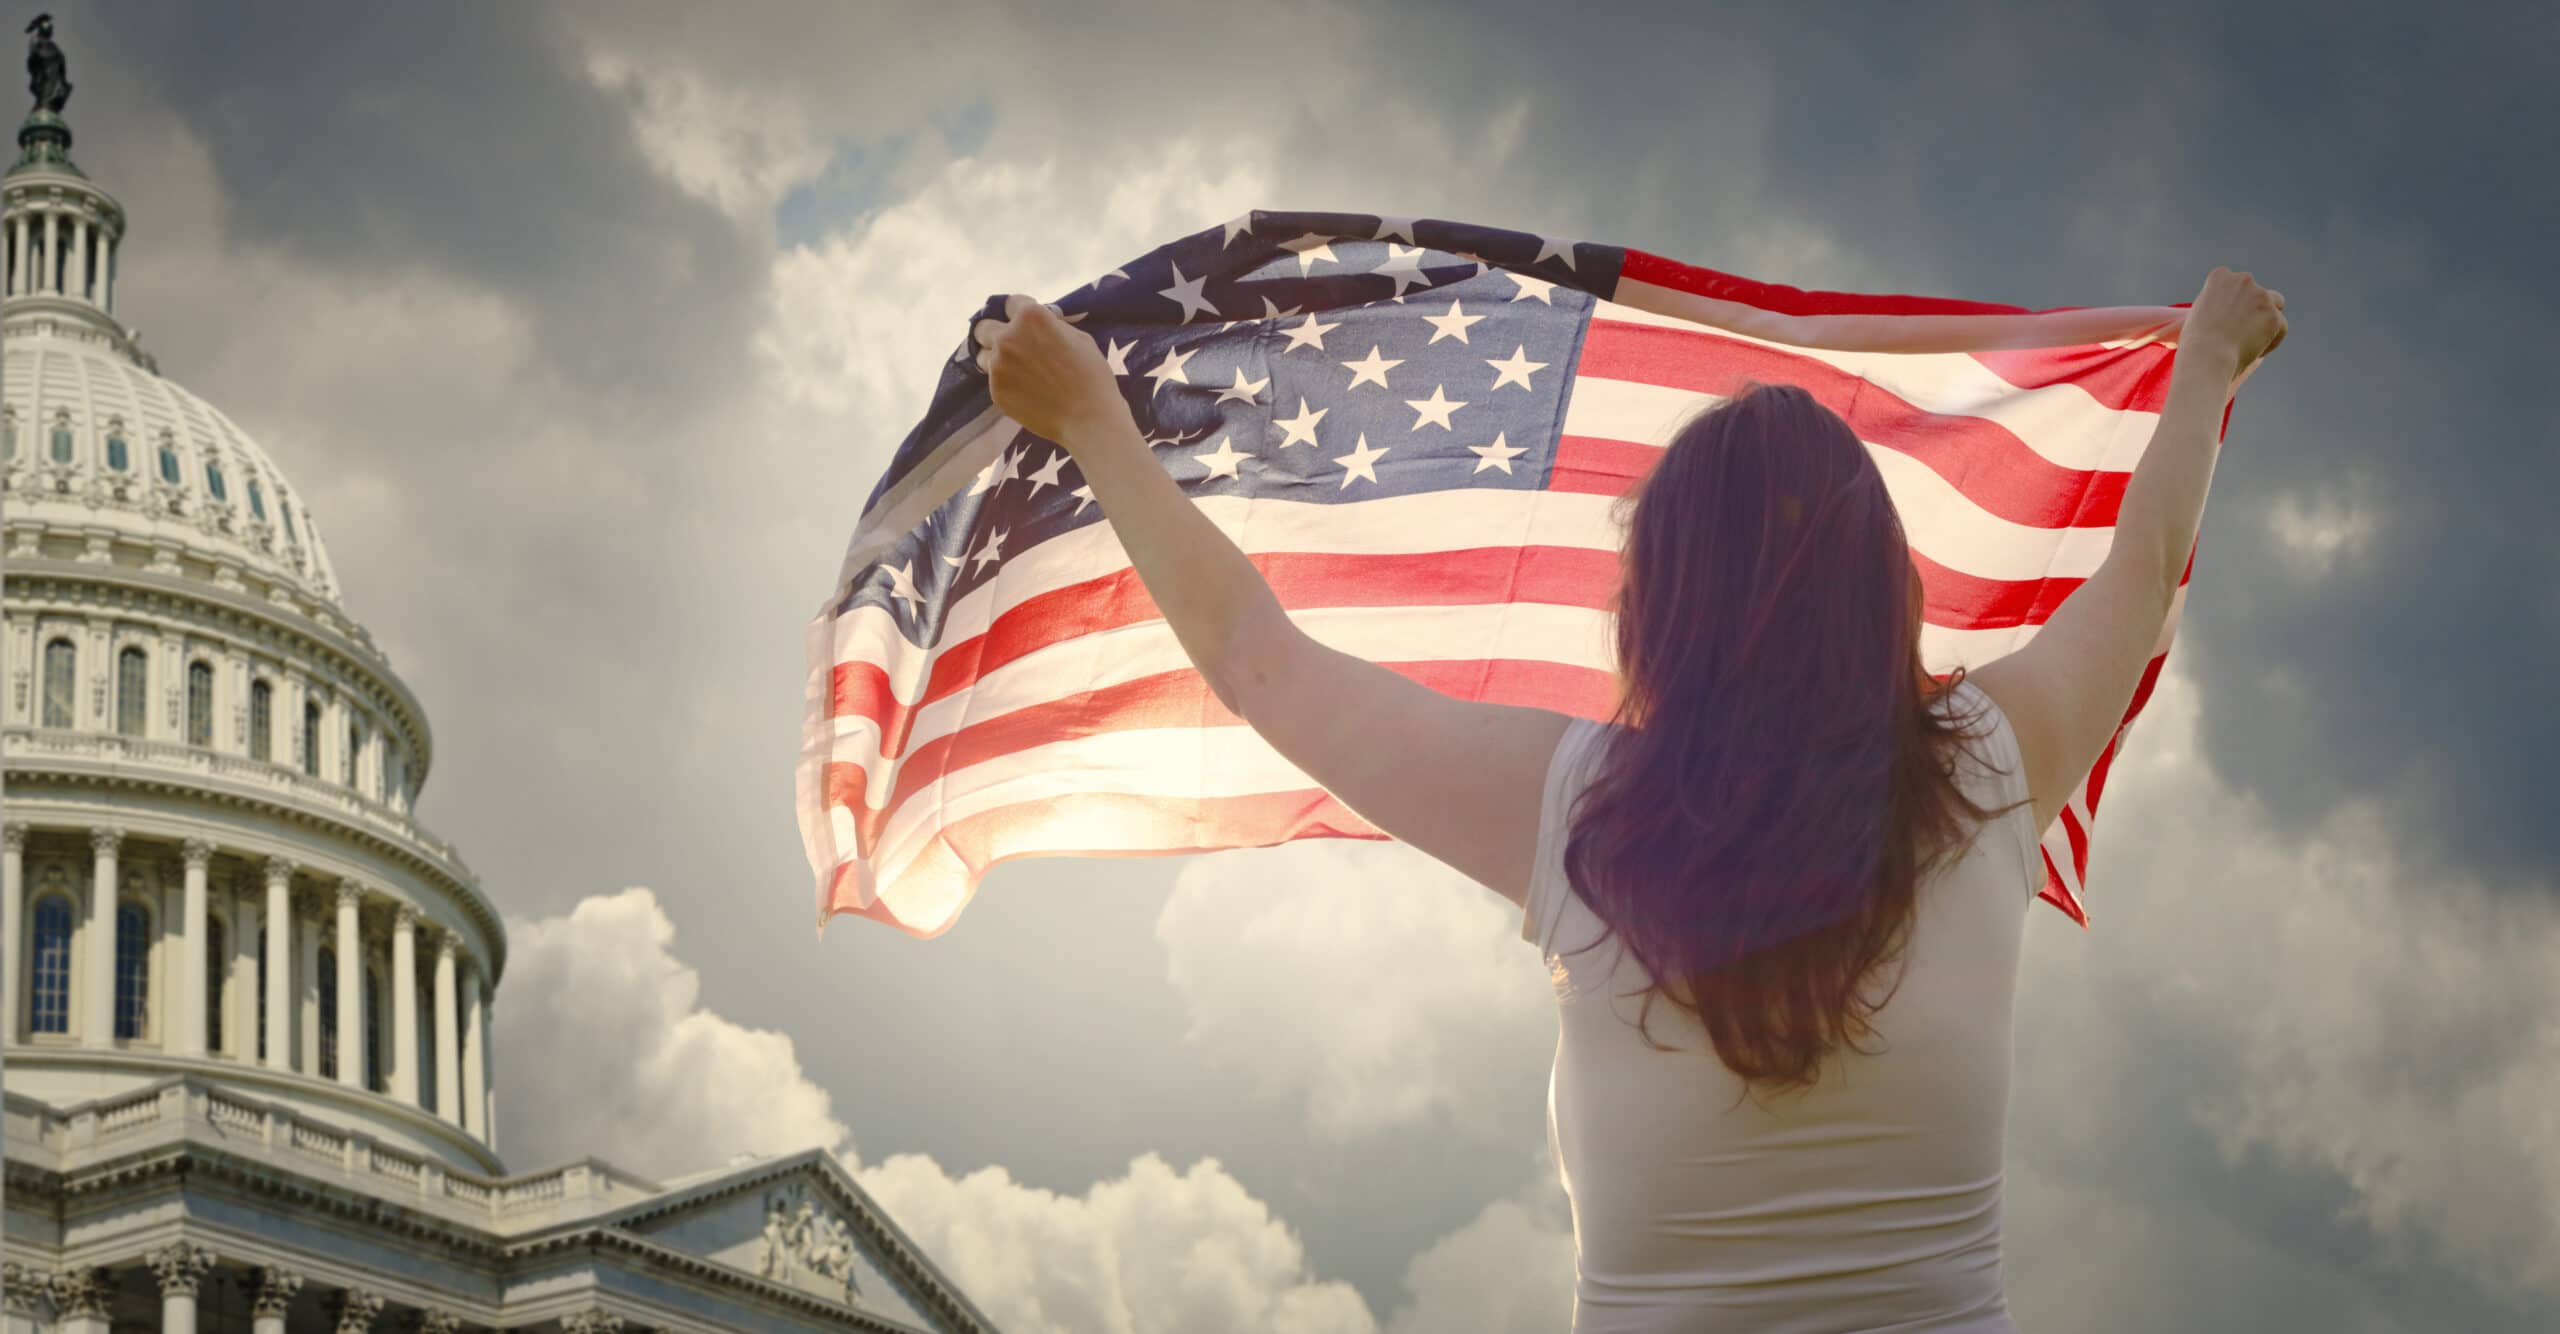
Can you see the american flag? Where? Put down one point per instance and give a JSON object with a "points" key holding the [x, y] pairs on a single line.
{"points": [[1414, 428]]}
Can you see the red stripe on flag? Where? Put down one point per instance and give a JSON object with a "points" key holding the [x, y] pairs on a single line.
{"points": [[2125, 379], [1980, 457], [1559, 576], [1182, 699], [1784, 300], [1139, 826], [1596, 466]]}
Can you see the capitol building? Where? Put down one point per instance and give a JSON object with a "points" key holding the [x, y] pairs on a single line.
{"points": [[247, 995]]}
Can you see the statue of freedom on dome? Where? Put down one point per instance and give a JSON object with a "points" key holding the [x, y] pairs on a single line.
{"points": [[47, 75]]}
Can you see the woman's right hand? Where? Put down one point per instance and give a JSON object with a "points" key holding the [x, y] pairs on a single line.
{"points": [[2234, 312]]}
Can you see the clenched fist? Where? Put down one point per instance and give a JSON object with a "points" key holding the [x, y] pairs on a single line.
{"points": [[1047, 375]]}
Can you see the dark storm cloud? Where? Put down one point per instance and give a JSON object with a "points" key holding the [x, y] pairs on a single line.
{"points": [[2379, 170], [457, 139], [2382, 165]]}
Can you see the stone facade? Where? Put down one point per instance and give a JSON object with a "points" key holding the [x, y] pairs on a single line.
{"points": [[244, 994]]}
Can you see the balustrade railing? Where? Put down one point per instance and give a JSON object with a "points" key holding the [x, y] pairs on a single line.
{"points": [[395, 1171], [177, 756]]}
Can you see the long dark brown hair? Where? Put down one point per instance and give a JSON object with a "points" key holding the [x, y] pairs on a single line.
{"points": [[1757, 835]]}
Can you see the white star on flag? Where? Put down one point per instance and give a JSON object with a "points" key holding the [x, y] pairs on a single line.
{"points": [[1515, 368], [1435, 410], [902, 583], [1389, 225], [1301, 428], [1404, 264], [1360, 462], [994, 474], [1048, 474], [1237, 226], [1272, 312], [1084, 497], [1310, 248], [1499, 454], [1187, 291], [1242, 392], [1116, 356], [1538, 288], [1452, 325], [1371, 369], [1310, 334], [1223, 463], [993, 550], [1169, 371], [1549, 246]]}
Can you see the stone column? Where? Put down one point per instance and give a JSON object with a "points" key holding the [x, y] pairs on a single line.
{"points": [[98, 987], [276, 1288], [187, 1008], [80, 1298], [404, 1004], [52, 249], [307, 963], [13, 925], [350, 987], [108, 250], [181, 1269], [355, 1310], [279, 979], [240, 1030], [475, 1068], [448, 1043], [77, 271]]}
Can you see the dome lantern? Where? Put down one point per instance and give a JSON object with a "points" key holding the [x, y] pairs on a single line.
{"points": [[59, 230]]}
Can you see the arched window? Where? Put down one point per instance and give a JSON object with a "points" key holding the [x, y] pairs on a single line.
{"points": [[217, 953], [119, 457], [373, 1044], [133, 969], [311, 739], [257, 501], [260, 982], [262, 709], [62, 439], [49, 993], [199, 703], [61, 665], [213, 482], [289, 534], [328, 1013], [168, 460], [355, 750], [133, 703]]}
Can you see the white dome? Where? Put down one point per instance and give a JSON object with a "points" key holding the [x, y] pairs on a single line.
{"points": [[145, 459]]}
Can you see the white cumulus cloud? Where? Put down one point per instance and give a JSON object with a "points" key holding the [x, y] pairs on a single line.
{"points": [[1384, 988], [603, 1049]]}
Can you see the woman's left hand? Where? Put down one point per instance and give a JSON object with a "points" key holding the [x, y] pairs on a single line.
{"points": [[1047, 375]]}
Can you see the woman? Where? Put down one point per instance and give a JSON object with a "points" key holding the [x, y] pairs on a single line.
{"points": [[1783, 890]]}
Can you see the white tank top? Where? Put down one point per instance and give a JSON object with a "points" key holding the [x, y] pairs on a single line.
{"points": [[1871, 1202]]}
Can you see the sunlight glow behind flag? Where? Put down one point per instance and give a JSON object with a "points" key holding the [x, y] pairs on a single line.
{"points": [[1414, 428]]}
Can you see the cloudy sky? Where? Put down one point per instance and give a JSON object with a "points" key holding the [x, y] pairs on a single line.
{"points": [[586, 328]]}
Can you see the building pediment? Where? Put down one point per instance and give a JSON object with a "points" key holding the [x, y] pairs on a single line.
{"points": [[802, 1221]]}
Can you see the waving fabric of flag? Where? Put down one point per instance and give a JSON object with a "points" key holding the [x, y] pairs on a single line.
{"points": [[1414, 428]]}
